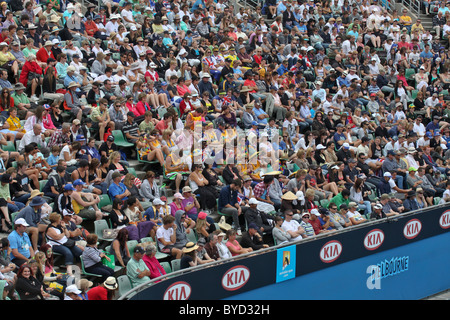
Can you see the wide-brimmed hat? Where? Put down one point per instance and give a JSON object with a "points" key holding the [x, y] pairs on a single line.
{"points": [[289, 196], [19, 86], [110, 283], [223, 224], [54, 18], [190, 246], [73, 84], [245, 89], [273, 173], [34, 193], [134, 66], [37, 201]]}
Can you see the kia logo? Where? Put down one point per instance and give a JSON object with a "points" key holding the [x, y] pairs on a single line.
{"points": [[374, 239], [444, 220], [412, 229], [178, 291], [235, 278], [330, 251]]}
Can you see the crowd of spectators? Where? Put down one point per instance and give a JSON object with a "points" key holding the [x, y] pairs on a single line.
{"points": [[342, 107]]}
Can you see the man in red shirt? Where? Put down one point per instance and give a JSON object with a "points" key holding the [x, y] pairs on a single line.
{"points": [[4, 35], [315, 222], [163, 124], [90, 26], [45, 52]]}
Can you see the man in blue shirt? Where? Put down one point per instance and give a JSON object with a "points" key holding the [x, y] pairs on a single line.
{"points": [[117, 190], [228, 203], [339, 138], [426, 53], [260, 114], [20, 244]]}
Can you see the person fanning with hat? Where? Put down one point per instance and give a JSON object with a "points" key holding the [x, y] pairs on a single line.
{"points": [[59, 237]]}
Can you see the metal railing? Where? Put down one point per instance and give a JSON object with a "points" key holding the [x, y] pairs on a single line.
{"points": [[413, 6]]}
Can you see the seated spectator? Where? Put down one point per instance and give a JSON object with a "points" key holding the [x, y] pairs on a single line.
{"points": [[137, 270]]}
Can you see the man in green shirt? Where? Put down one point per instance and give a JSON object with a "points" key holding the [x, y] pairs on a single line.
{"points": [[137, 270], [21, 101], [341, 198], [100, 117], [147, 125]]}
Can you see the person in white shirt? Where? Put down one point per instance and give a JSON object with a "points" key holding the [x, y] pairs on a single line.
{"points": [[418, 126], [349, 45], [292, 227], [112, 25], [127, 15], [373, 66], [354, 215]]}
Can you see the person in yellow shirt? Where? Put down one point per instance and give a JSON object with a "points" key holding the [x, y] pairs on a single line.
{"points": [[8, 61], [15, 127], [418, 26], [405, 20]]}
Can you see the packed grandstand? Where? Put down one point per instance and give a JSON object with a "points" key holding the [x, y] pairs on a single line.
{"points": [[139, 134]]}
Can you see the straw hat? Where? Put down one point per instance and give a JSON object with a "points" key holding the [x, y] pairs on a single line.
{"points": [[111, 283], [190, 246], [223, 224], [289, 196], [273, 173], [73, 84], [35, 193]]}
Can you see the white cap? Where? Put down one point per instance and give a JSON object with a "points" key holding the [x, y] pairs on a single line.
{"points": [[387, 174], [320, 147], [158, 201], [300, 196], [315, 211], [253, 201], [73, 289], [22, 222]]}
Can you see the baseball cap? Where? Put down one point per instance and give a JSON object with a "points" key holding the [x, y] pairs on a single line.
{"points": [[69, 187], [78, 182], [22, 222], [139, 249]]}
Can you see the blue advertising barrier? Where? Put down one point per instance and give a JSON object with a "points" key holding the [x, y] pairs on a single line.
{"points": [[404, 257]]}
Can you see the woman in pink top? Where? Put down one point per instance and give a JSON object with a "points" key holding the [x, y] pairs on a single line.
{"points": [[182, 88], [47, 120], [234, 246], [156, 270]]}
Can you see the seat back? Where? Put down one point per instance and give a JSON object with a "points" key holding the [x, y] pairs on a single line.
{"points": [[99, 226], [124, 284], [131, 244], [166, 266], [175, 264]]}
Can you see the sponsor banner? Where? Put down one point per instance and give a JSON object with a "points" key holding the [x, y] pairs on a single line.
{"points": [[230, 278]]}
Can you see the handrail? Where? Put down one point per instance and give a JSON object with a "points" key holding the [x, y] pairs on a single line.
{"points": [[319, 237]]}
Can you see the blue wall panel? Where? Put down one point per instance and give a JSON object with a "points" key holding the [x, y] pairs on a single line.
{"points": [[427, 274]]}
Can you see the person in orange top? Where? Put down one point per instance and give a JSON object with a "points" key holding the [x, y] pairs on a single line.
{"points": [[193, 116], [90, 26]]}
